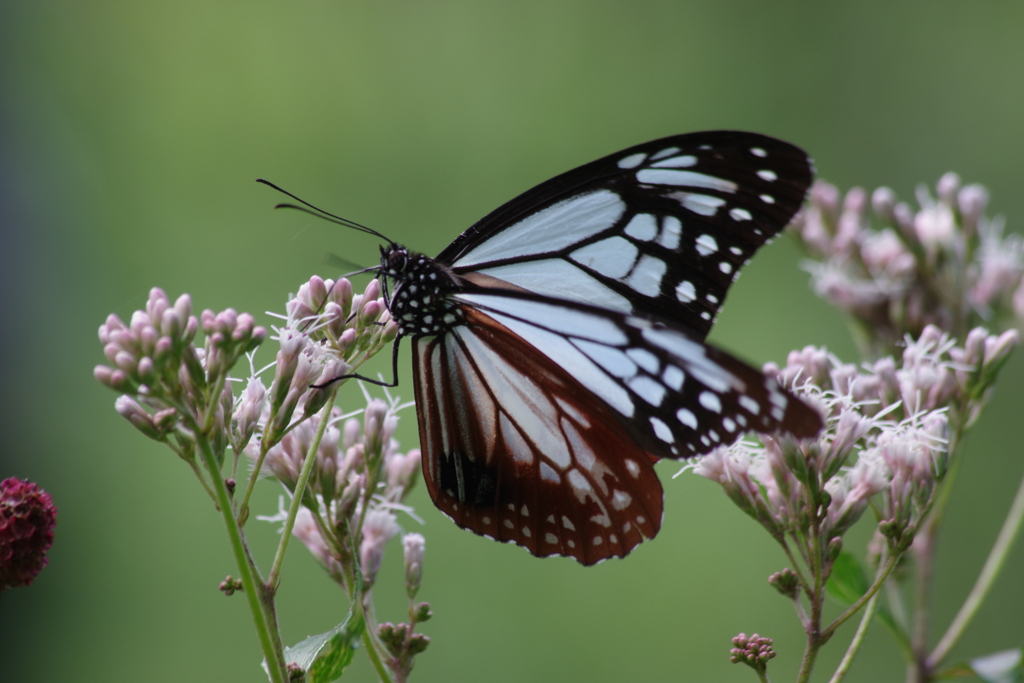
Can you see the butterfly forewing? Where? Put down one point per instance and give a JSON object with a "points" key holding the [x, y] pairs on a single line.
{"points": [[676, 396], [660, 229], [516, 449]]}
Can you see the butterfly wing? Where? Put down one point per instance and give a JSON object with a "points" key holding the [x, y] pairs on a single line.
{"points": [[676, 396], [660, 229], [516, 449]]}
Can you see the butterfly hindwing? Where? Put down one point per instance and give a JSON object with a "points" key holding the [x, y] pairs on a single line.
{"points": [[514, 448], [676, 396], [660, 229]]}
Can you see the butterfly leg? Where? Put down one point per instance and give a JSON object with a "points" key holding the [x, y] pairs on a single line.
{"points": [[378, 382]]}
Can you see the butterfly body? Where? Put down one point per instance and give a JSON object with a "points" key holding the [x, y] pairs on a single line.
{"points": [[558, 343]]}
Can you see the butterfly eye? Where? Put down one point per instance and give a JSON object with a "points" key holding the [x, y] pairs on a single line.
{"points": [[397, 261]]}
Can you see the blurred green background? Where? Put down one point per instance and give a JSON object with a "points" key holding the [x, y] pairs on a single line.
{"points": [[131, 136]]}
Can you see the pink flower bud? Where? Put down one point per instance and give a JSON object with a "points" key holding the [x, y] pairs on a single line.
{"points": [[947, 188], [883, 201], [413, 546], [998, 348], [379, 527], [372, 291]]}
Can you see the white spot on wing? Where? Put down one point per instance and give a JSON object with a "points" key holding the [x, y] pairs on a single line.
{"points": [[710, 401], [684, 161], [664, 176], [646, 277], [643, 227], [671, 231], [673, 377], [621, 500], [613, 257], [686, 292], [548, 474], [662, 430], [687, 418], [567, 523], [645, 359], [767, 199], [740, 214], [550, 538], [725, 267], [648, 389], [632, 468], [767, 175], [750, 405], [580, 486], [706, 244], [667, 152], [758, 152], [632, 161], [702, 204]]}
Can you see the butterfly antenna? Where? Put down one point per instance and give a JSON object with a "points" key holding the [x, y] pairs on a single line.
{"points": [[338, 262], [320, 213]]}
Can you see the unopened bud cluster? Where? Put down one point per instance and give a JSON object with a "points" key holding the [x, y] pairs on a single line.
{"points": [[945, 264], [886, 432], [170, 388], [753, 650]]}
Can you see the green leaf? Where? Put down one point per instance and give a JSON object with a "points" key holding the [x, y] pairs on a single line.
{"points": [[1000, 667], [847, 582], [324, 656]]}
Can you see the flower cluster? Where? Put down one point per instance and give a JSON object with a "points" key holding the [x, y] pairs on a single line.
{"points": [[359, 480], [754, 651], [27, 518], [347, 478], [946, 264], [886, 432], [172, 390]]}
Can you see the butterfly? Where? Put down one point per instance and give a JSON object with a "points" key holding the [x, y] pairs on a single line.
{"points": [[558, 343]]}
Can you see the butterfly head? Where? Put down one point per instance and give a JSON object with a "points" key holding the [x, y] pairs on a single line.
{"points": [[421, 301]]}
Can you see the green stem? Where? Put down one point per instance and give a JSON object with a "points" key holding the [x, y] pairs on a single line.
{"points": [[371, 651], [214, 401], [262, 618], [813, 628], [858, 640], [199, 475], [796, 565], [300, 488], [864, 599], [243, 507], [924, 560], [996, 559]]}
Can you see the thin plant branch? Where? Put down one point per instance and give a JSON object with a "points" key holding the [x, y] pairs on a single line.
{"points": [[996, 559]]}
